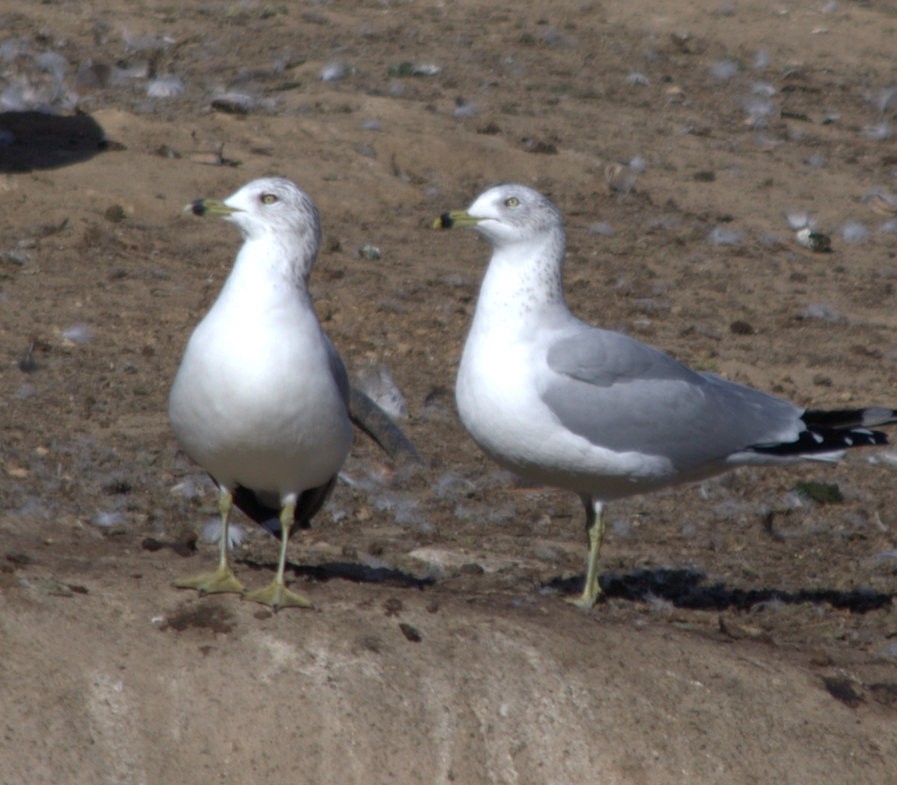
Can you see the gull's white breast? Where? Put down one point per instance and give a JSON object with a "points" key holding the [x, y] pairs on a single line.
{"points": [[255, 401]]}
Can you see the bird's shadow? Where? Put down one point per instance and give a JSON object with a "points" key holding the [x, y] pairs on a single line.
{"points": [[686, 589], [37, 140], [348, 571], [681, 588]]}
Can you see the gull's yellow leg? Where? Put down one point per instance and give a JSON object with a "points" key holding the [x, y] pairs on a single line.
{"points": [[276, 594], [591, 591], [223, 579]]}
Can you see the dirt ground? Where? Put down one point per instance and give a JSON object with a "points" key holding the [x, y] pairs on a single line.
{"points": [[748, 635]]}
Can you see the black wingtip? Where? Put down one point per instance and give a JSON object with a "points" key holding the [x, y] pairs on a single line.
{"points": [[819, 441], [836, 419]]}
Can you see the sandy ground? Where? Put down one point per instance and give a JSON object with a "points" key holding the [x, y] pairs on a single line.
{"points": [[748, 634]]}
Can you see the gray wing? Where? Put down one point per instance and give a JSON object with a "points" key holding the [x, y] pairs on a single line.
{"points": [[338, 370], [367, 415], [626, 396], [376, 423]]}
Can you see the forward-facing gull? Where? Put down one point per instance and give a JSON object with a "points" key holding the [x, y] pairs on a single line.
{"points": [[565, 404], [260, 400]]}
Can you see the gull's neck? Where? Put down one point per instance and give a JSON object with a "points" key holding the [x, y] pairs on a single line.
{"points": [[266, 268], [523, 282]]}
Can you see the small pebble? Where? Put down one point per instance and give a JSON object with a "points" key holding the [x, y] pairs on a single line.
{"points": [[114, 213], [887, 99], [764, 89], [601, 227], [234, 103], [108, 520], [722, 236], [414, 69], [761, 59], [465, 110], [889, 649], [815, 241], [854, 232], [878, 132], [77, 333], [797, 220], [368, 251], [821, 311], [757, 109], [724, 70], [165, 87], [333, 72], [449, 485]]}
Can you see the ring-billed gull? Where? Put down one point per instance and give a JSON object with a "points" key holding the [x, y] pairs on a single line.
{"points": [[565, 404], [260, 400]]}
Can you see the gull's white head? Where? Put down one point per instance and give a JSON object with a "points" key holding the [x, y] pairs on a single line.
{"points": [[508, 214], [271, 208]]}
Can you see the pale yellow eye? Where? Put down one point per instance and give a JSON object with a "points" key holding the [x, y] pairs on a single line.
{"points": [[268, 198], [512, 201]]}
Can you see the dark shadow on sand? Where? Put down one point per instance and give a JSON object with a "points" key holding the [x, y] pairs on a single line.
{"points": [[36, 140], [348, 571], [685, 589], [682, 588]]}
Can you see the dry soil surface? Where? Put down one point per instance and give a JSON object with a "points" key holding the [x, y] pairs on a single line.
{"points": [[748, 634]]}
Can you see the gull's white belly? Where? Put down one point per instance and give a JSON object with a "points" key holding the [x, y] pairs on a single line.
{"points": [[258, 406]]}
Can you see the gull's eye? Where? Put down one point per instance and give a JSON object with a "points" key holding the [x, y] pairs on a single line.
{"points": [[268, 198], [512, 201]]}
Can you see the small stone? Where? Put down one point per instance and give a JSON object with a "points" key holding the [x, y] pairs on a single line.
{"points": [[411, 633], [16, 472], [333, 72], [854, 232], [114, 213], [165, 87], [541, 147], [234, 103], [815, 241], [368, 251], [414, 69], [722, 236]]}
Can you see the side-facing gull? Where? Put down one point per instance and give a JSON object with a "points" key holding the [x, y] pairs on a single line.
{"points": [[260, 400], [565, 404]]}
